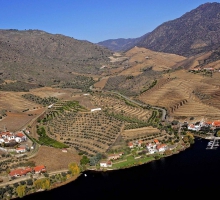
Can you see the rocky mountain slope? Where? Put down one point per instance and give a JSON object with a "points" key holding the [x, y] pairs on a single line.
{"points": [[37, 56], [195, 32]]}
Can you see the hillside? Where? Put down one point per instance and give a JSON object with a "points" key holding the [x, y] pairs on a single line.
{"points": [[121, 44], [195, 32], [37, 57], [143, 66]]}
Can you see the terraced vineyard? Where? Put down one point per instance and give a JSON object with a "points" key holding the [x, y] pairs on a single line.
{"points": [[87, 132], [117, 105], [185, 95], [144, 134]]}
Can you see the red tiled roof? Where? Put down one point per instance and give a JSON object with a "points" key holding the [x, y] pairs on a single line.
{"points": [[216, 123], [19, 172], [156, 141], [20, 148], [130, 144], [20, 134], [39, 168], [161, 146]]}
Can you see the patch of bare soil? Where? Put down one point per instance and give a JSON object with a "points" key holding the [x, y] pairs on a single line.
{"points": [[101, 83], [84, 100], [15, 121], [55, 159]]}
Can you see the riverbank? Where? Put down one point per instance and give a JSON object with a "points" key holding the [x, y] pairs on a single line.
{"points": [[138, 162], [141, 160]]}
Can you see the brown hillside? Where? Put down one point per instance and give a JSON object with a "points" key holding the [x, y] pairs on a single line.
{"points": [[140, 59], [186, 95], [35, 56]]}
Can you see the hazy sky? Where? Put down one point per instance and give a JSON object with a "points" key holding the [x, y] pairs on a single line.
{"points": [[93, 20]]}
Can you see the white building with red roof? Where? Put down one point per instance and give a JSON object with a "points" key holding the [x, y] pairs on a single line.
{"points": [[107, 163], [20, 150], [39, 169], [21, 135], [161, 147], [20, 172]]}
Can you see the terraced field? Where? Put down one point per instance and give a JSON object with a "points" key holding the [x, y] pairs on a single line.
{"points": [[186, 95], [144, 134], [117, 105]]}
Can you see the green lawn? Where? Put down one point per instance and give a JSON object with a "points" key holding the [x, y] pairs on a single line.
{"points": [[131, 162]]}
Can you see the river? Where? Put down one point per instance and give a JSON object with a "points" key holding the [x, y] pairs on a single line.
{"points": [[193, 171]]}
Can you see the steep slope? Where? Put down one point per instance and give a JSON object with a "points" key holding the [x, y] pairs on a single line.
{"points": [[195, 32]]}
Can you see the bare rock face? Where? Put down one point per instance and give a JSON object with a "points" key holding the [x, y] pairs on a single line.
{"points": [[195, 32]]}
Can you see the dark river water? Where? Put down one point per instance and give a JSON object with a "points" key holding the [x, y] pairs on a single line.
{"points": [[195, 171]]}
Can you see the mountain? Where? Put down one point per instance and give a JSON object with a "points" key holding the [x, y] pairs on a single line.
{"points": [[39, 57], [121, 44], [195, 32]]}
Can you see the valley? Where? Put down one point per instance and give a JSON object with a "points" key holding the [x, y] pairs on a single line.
{"points": [[68, 105]]}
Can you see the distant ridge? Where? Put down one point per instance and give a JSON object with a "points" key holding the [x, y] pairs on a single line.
{"points": [[121, 44]]}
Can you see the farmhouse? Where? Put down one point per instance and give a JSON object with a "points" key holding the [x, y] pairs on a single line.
{"points": [[114, 156], [19, 172], [20, 150], [39, 169], [21, 135], [130, 144], [151, 147], [22, 172], [216, 123], [156, 141], [161, 147], [107, 163]]}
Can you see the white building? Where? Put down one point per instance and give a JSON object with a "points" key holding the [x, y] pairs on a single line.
{"points": [[95, 109], [21, 150], [106, 163]]}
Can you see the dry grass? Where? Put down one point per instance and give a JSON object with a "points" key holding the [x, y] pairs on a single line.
{"points": [[144, 134], [55, 159], [16, 121], [13, 101], [140, 58], [101, 83], [187, 95]]}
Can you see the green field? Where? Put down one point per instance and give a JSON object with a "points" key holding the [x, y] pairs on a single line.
{"points": [[131, 161]]}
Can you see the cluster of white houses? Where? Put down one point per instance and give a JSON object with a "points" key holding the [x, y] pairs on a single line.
{"points": [[197, 126], [153, 147], [9, 139], [156, 146]]}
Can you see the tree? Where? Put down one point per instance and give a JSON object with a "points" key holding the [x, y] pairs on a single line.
{"points": [[73, 167], [84, 160], [43, 183], [21, 190]]}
